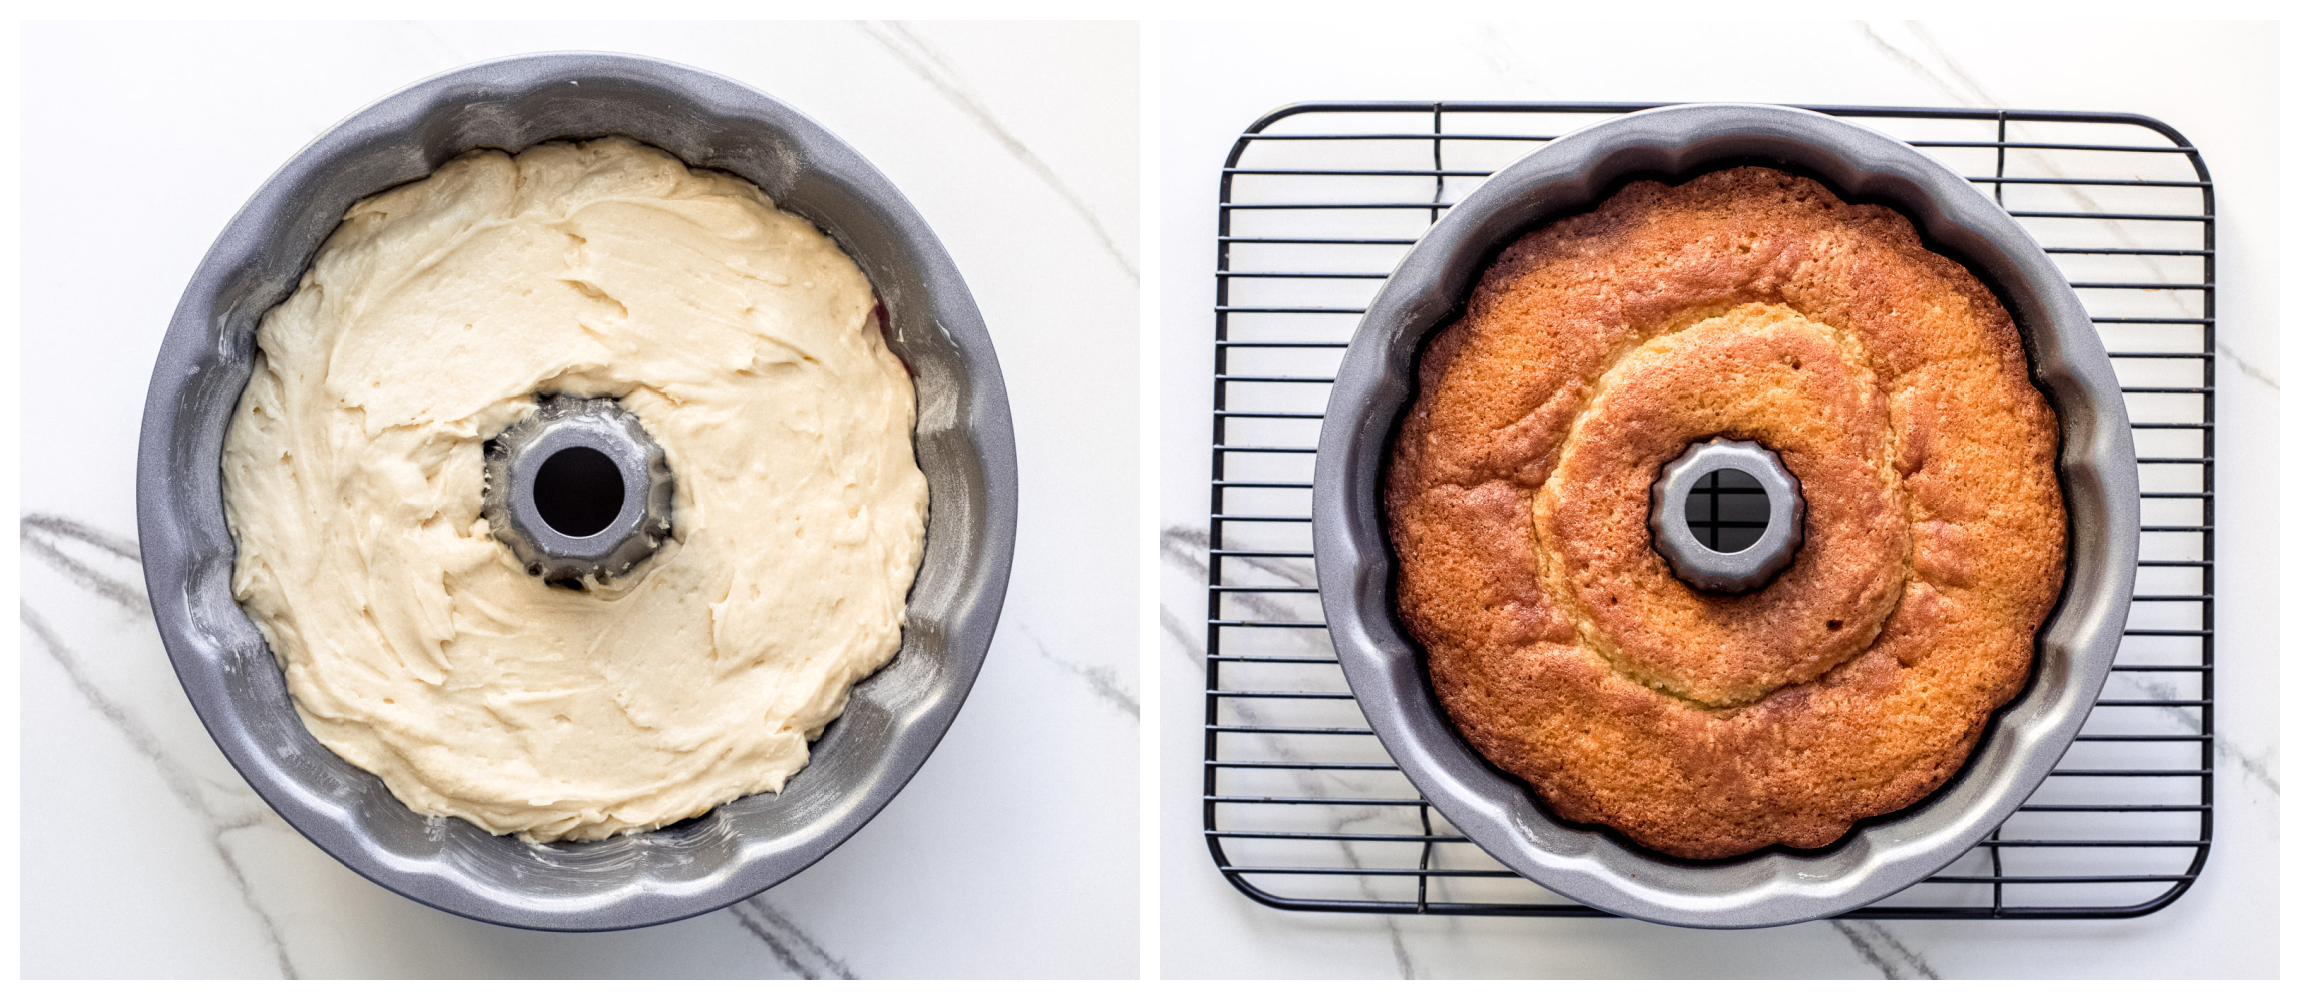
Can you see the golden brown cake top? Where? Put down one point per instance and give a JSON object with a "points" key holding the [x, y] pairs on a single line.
{"points": [[1747, 304]]}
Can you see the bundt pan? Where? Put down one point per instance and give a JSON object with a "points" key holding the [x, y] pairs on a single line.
{"points": [[964, 439], [2099, 481]]}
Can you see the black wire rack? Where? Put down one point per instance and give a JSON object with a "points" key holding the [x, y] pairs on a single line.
{"points": [[1304, 811]]}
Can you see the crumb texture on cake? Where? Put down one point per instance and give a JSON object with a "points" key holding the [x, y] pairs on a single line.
{"points": [[1755, 305]]}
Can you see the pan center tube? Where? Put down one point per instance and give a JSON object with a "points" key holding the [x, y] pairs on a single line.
{"points": [[1727, 516], [577, 491]]}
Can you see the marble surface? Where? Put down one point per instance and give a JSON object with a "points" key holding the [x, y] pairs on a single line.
{"points": [[1014, 851], [2217, 83]]}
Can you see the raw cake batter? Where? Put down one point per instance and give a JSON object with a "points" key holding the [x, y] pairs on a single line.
{"points": [[417, 647]]}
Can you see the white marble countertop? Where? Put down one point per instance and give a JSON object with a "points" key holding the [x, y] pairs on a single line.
{"points": [[2216, 83], [1013, 852]]}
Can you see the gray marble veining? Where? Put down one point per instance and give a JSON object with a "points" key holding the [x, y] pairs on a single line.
{"points": [[1184, 550], [1101, 678], [1881, 950], [921, 57], [1968, 94], [1962, 87], [221, 810], [790, 944], [41, 536]]}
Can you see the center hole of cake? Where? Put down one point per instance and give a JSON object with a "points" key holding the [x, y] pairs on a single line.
{"points": [[1728, 510], [578, 492]]}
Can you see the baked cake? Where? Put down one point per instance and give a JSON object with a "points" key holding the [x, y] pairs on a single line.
{"points": [[1748, 304]]}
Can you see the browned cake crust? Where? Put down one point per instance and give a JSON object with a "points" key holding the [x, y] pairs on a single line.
{"points": [[1749, 304]]}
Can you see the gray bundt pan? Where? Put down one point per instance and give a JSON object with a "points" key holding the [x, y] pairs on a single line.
{"points": [[964, 438], [2074, 649]]}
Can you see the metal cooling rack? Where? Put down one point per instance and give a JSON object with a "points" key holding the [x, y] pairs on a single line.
{"points": [[1302, 808]]}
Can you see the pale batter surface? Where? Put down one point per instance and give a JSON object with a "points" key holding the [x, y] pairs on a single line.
{"points": [[415, 645]]}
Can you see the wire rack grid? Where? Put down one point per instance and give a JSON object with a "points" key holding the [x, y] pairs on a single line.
{"points": [[1304, 811]]}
